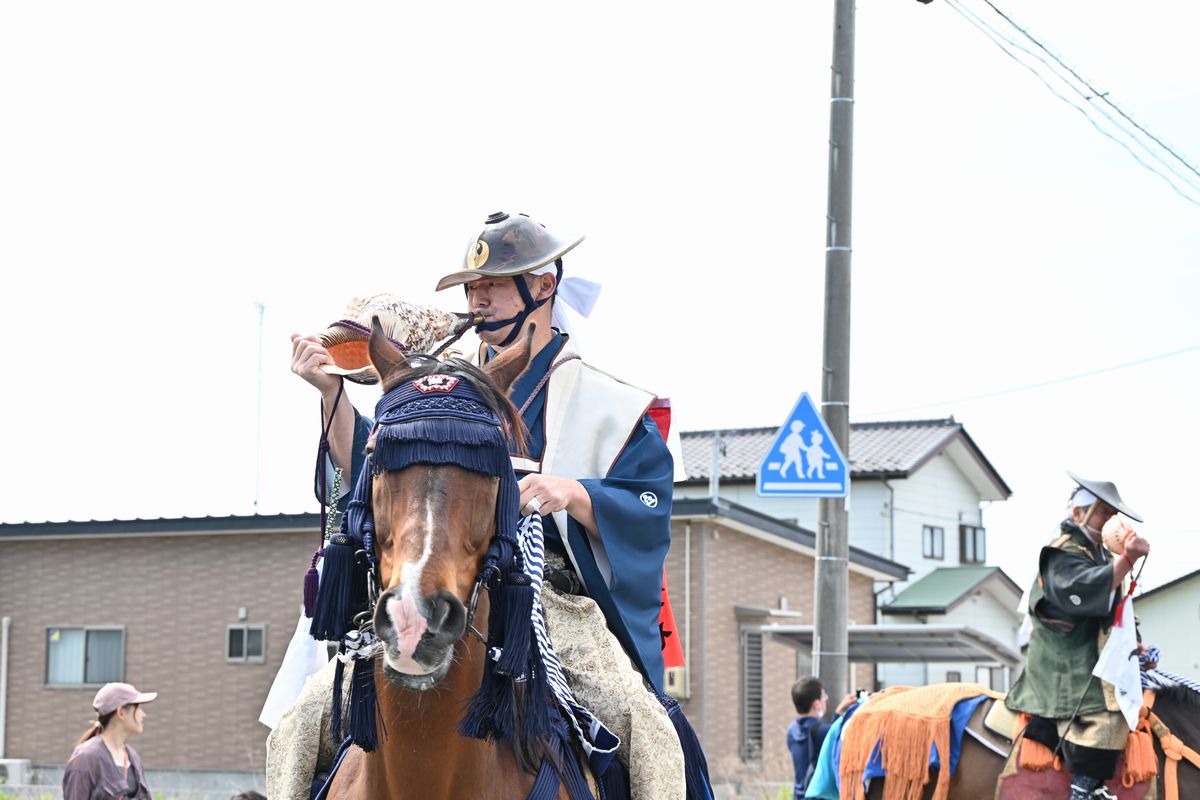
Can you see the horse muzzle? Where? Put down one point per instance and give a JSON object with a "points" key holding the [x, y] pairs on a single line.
{"points": [[418, 636]]}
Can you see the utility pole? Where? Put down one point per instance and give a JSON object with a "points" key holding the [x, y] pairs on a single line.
{"points": [[831, 582], [262, 310]]}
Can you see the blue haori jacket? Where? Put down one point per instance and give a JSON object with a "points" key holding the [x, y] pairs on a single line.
{"points": [[587, 425]]}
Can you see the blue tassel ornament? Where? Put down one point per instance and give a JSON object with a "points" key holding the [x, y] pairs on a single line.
{"points": [[336, 730], [364, 705], [699, 785], [333, 608]]}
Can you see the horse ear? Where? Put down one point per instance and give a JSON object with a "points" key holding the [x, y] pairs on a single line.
{"points": [[385, 356], [505, 368]]}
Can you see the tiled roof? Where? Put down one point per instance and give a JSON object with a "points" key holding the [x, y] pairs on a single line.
{"points": [[942, 588], [877, 449]]}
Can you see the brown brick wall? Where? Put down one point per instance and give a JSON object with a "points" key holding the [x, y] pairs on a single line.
{"points": [[174, 595], [730, 570]]}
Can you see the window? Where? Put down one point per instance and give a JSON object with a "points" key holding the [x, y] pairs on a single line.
{"points": [[82, 656], [953, 676], [246, 643], [752, 696], [991, 677], [972, 544], [933, 542]]}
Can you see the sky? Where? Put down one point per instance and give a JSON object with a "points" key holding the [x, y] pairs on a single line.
{"points": [[182, 186]]}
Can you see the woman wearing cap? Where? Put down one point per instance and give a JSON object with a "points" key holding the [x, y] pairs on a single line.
{"points": [[1071, 605], [103, 765]]}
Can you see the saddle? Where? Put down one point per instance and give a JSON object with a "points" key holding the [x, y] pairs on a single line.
{"points": [[1000, 730]]}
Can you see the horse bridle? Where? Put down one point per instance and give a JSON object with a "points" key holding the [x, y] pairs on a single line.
{"points": [[364, 620]]}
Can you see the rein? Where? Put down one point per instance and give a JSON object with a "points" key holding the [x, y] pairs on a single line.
{"points": [[1173, 747]]}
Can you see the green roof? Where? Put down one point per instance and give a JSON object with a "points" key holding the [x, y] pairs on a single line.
{"points": [[940, 589]]}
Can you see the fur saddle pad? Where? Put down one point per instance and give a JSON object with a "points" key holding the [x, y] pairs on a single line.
{"points": [[908, 729]]}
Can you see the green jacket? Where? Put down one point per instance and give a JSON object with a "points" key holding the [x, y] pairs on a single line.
{"points": [[1071, 605]]}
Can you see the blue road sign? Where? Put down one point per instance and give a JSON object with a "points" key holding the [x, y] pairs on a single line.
{"points": [[804, 460]]}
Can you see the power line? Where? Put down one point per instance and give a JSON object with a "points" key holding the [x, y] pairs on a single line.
{"points": [[1095, 92], [1000, 40], [1088, 96], [1040, 384]]}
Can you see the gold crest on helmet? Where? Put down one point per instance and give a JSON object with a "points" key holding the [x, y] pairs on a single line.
{"points": [[478, 255]]}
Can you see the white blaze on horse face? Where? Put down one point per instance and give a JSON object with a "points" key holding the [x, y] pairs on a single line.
{"points": [[405, 612]]}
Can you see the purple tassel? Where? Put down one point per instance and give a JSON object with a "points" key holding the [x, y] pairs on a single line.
{"points": [[311, 578]]}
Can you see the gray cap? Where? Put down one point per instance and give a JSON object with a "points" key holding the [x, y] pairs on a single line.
{"points": [[118, 695]]}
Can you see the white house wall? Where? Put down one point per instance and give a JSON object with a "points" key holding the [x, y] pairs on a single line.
{"points": [[1171, 620], [936, 494]]}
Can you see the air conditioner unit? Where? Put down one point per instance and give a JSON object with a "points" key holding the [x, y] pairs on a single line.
{"points": [[15, 772], [675, 682]]}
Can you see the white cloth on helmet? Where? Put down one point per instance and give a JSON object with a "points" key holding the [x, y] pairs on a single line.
{"points": [[578, 294]]}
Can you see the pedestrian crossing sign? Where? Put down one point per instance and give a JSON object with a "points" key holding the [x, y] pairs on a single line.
{"points": [[804, 459]]}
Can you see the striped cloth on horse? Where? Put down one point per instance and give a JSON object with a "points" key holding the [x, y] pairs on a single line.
{"points": [[599, 743], [905, 724]]}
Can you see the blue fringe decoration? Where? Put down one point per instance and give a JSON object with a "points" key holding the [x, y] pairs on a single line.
{"points": [[545, 787], [333, 610], [479, 448], [569, 769], [699, 785], [336, 729], [614, 783], [516, 603], [364, 704]]}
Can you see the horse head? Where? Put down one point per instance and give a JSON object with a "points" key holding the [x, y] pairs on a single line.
{"points": [[435, 506]]}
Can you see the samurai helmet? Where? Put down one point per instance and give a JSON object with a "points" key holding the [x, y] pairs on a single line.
{"points": [[511, 246], [508, 245]]}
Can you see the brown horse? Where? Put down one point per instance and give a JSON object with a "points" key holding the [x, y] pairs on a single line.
{"points": [[979, 764], [433, 523]]}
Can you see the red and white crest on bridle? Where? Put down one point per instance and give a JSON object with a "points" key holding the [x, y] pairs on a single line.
{"points": [[435, 383]]}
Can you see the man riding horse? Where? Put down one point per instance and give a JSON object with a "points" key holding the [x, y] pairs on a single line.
{"points": [[595, 465], [1071, 607]]}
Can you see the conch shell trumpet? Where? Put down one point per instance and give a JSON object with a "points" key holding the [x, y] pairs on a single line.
{"points": [[411, 327], [1115, 533]]}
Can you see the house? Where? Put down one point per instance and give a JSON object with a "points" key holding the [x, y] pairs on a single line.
{"points": [[917, 488], [734, 572], [1169, 617], [980, 597], [918, 492], [201, 611]]}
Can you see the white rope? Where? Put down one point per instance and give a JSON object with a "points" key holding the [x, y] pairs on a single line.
{"points": [[587, 727]]}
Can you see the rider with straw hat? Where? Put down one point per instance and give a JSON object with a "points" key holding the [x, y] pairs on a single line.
{"points": [[1071, 606]]}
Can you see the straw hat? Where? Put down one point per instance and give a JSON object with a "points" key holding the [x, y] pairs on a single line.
{"points": [[411, 327]]}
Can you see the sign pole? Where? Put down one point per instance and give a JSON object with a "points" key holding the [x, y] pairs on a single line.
{"points": [[831, 581]]}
